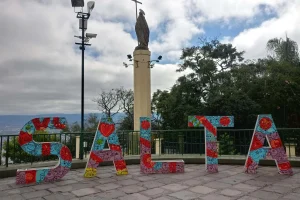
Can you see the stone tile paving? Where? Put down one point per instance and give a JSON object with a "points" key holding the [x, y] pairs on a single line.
{"points": [[195, 183]]}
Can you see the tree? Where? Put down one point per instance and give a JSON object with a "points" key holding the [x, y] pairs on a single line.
{"points": [[126, 105], [116, 100], [91, 123], [226, 145], [155, 110], [210, 63], [283, 50], [108, 102], [75, 128], [126, 100]]}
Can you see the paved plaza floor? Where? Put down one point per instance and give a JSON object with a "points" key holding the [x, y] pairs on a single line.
{"points": [[195, 183]]}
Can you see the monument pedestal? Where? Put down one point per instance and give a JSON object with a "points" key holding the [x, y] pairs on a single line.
{"points": [[142, 94], [142, 86]]}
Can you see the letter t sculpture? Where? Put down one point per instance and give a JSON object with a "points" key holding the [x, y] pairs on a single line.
{"points": [[210, 124]]}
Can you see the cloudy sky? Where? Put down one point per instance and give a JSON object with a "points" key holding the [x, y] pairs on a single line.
{"points": [[40, 66]]}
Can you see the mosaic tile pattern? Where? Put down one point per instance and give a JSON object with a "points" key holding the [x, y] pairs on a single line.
{"points": [[147, 165], [265, 129], [105, 132], [210, 123], [43, 149]]}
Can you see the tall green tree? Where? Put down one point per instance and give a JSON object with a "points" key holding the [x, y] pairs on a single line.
{"points": [[284, 50], [210, 63], [221, 83]]}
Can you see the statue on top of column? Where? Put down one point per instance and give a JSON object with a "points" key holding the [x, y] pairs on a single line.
{"points": [[142, 31]]}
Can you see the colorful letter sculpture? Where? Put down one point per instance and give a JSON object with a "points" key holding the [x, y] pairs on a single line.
{"points": [[211, 149], [43, 149], [265, 128], [105, 132], [146, 164]]}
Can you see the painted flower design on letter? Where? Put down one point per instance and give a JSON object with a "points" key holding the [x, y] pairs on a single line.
{"points": [[211, 153], [96, 158], [249, 162], [284, 166], [46, 148], [147, 161], [106, 129], [115, 147], [224, 121], [172, 167], [58, 124], [265, 123], [145, 142], [65, 153], [24, 138], [120, 165], [145, 124], [276, 143], [41, 123], [256, 144], [30, 176]]}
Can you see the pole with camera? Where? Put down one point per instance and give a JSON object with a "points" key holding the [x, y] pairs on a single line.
{"points": [[83, 18]]}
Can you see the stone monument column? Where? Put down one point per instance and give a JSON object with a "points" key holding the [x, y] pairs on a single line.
{"points": [[142, 79], [142, 86]]}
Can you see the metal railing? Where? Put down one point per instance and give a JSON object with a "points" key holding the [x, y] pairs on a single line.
{"points": [[190, 141]]}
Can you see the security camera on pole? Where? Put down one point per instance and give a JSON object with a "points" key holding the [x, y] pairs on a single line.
{"points": [[83, 18]]}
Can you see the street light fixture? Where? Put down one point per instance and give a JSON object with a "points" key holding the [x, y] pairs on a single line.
{"points": [[83, 18], [129, 57], [77, 3], [90, 5], [126, 65], [91, 35], [151, 63]]}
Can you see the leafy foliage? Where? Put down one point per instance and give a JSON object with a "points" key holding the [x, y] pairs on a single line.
{"points": [[220, 82], [284, 50], [226, 145]]}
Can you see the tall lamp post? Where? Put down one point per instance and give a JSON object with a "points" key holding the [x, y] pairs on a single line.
{"points": [[83, 18]]}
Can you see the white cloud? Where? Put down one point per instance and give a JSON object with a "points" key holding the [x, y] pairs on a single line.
{"points": [[254, 40], [40, 67], [226, 9]]}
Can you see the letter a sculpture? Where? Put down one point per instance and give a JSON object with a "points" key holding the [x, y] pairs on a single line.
{"points": [[265, 129], [105, 132]]}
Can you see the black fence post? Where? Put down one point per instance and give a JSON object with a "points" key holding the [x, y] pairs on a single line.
{"points": [[1, 151], [7, 151]]}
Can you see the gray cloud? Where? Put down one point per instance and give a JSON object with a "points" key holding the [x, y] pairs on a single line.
{"points": [[40, 67]]}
